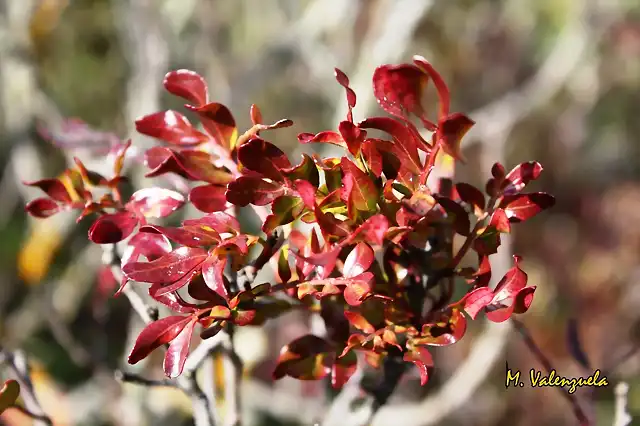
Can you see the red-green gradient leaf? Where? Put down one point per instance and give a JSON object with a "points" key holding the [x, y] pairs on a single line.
{"points": [[155, 335], [168, 268], [358, 187], [343, 369], [188, 85], [172, 127], [285, 210], [209, 198], [451, 131], [359, 321], [111, 228], [218, 122], [155, 202]]}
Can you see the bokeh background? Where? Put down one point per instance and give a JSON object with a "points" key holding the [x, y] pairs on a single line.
{"points": [[557, 81]]}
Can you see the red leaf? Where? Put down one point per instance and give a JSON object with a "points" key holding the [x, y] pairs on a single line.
{"points": [[218, 221], [263, 157], [256, 115], [9, 394], [476, 300], [500, 221], [456, 328], [352, 135], [53, 188], [306, 170], [422, 359], [168, 268], [151, 246], [343, 80], [358, 261], [358, 288], [158, 290], [176, 355], [251, 190], [209, 198], [306, 358], [155, 335], [111, 228], [42, 207], [188, 85], [513, 281], [524, 206], [405, 146], [213, 274], [333, 138], [521, 302], [520, 176], [398, 89], [451, 130], [191, 236], [343, 369], [443, 91], [155, 202], [170, 126], [457, 214], [470, 195], [218, 122]]}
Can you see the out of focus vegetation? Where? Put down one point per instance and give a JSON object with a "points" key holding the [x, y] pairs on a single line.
{"points": [[103, 61]]}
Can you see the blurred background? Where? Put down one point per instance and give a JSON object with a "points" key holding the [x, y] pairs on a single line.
{"points": [[557, 81]]}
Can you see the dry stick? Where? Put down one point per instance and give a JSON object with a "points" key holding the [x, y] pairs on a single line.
{"points": [[187, 382], [546, 363], [19, 369]]}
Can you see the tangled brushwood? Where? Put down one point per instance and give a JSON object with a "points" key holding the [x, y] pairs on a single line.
{"points": [[379, 265]]}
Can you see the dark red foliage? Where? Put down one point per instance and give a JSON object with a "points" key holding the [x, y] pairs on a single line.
{"points": [[364, 264]]}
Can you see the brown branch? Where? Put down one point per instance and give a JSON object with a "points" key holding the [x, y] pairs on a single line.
{"points": [[28, 413], [546, 363], [187, 382]]}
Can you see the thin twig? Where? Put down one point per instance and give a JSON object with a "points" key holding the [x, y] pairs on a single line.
{"points": [[28, 413], [233, 378], [546, 363], [187, 382], [127, 377], [19, 369]]}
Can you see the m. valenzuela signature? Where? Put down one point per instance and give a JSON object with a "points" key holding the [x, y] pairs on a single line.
{"points": [[537, 380]]}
